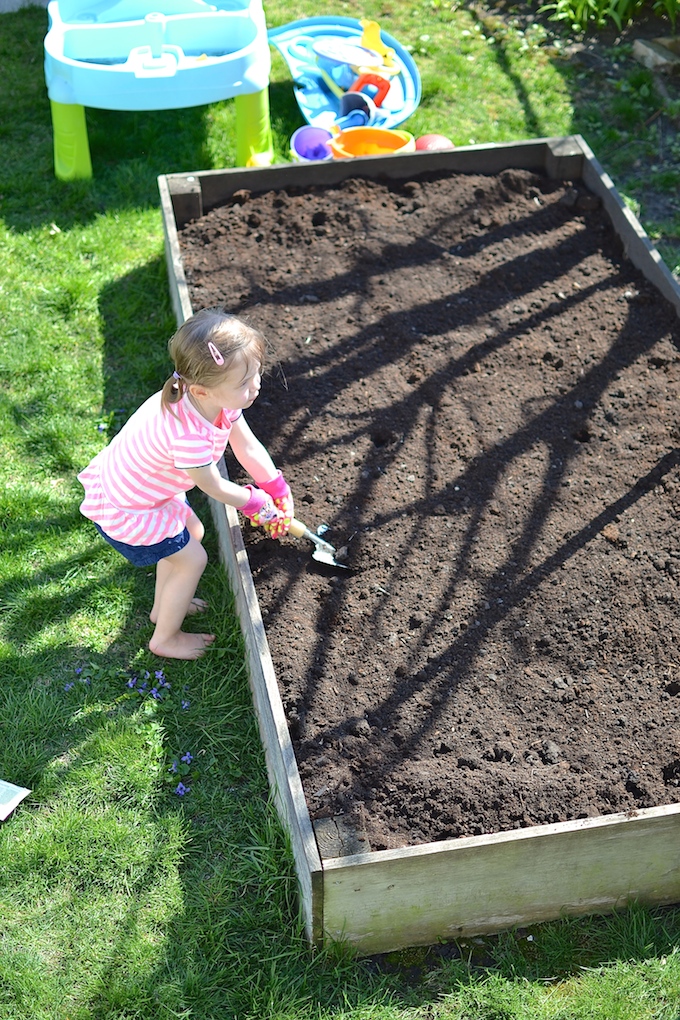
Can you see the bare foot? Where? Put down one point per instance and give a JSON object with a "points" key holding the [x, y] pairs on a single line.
{"points": [[195, 606], [182, 646]]}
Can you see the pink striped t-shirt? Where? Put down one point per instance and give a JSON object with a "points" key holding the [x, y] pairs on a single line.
{"points": [[134, 487]]}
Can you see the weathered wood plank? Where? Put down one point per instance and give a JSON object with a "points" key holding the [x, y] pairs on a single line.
{"points": [[394, 898], [284, 778], [336, 837], [564, 158], [637, 245], [217, 186], [186, 197], [179, 291]]}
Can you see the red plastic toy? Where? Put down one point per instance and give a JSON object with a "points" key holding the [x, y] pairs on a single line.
{"points": [[434, 142]]}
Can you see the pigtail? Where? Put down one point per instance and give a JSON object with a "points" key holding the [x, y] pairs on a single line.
{"points": [[172, 392]]}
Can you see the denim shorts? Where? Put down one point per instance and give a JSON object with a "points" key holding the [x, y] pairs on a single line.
{"points": [[147, 555]]}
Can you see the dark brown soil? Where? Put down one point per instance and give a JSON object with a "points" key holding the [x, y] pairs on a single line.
{"points": [[479, 394]]}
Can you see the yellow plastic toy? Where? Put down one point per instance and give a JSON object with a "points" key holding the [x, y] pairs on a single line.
{"points": [[372, 40]]}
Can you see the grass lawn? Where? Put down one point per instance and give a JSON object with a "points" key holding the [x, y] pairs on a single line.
{"points": [[121, 896]]}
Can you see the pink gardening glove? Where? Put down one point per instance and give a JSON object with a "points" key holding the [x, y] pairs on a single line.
{"points": [[279, 489], [260, 509]]}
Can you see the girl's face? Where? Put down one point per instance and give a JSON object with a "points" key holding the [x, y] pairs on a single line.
{"points": [[239, 387]]}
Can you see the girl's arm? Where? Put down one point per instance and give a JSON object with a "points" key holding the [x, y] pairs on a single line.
{"points": [[250, 453], [270, 506], [256, 504], [210, 481]]}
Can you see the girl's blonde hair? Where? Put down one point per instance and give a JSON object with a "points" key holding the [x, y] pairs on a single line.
{"points": [[204, 349]]}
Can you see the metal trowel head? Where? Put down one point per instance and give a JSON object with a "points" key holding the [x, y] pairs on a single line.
{"points": [[323, 551]]}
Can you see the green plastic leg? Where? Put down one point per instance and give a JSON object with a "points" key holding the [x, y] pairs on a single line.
{"points": [[71, 147], [253, 130]]}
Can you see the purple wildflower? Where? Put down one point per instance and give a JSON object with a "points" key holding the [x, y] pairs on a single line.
{"points": [[159, 674], [78, 670], [132, 682], [67, 687], [185, 704], [155, 693], [188, 758], [181, 789], [173, 767]]}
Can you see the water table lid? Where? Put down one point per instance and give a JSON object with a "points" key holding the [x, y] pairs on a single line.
{"points": [[112, 11]]}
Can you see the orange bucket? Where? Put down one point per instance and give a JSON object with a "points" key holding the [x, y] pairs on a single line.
{"points": [[370, 141]]}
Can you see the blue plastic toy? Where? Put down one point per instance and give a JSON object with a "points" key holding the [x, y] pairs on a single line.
{"points": [[326, 55], [155, 55]]}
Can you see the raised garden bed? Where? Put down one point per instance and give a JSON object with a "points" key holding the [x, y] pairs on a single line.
{"points": [[477, 389]]}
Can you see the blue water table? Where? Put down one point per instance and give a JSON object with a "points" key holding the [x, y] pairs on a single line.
{"points": [[348, 73], [156, 55]]}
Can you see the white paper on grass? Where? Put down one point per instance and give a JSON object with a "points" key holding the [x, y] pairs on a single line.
{"points": [[10, 796]]}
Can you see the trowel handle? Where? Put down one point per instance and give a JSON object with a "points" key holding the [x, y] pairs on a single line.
{"points": [[299, 530], [324, 551]]}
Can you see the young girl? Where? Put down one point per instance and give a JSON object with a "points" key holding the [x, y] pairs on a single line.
{"points": [[134, 488]]}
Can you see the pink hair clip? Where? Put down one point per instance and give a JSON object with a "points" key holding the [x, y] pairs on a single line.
{"points": [[216, 356]]}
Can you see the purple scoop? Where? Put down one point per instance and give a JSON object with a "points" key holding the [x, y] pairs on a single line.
{"points": [[320, 151], [311, 143]]}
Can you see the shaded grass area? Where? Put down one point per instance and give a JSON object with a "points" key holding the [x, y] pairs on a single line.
{"points": [[120, 898]]}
